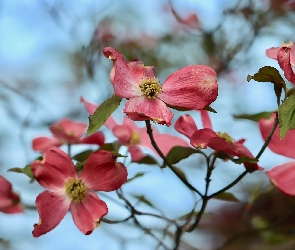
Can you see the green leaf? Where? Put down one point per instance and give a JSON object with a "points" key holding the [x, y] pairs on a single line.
{"points": [[287, 115], [244, 159], [208, 108], [267, 74], [102, 113], [147, 160], [113, 147], [254, 117], [26, 170], [225, 196], [83, 156], [142, 199], [177, 108], [80, 165], [140, 174], [270, 74], [177, 153], [118, 154]]}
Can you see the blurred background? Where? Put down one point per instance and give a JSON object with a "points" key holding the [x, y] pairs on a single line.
{"points": [[50, 55]]}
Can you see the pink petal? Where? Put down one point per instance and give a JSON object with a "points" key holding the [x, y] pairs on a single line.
{"points": [[139, 71], [272, 52], [284, 62], [131, 124], [68, 131], [87, 214], [153, 109], [52, 208], [96, 138], [9, 201], [186, 125], [283, 177], [205, 119], [283, 146], [124, 85], [54, 169], [292, 56], [123, 133], [102, 173], [240, 150], [5, 186], [136, 153], [90, 107], [166, 142], [192, 87], [13, 209], [202, 137], [42, 143]]}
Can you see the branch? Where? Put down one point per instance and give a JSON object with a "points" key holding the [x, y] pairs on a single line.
{"points": [[149, 131]]}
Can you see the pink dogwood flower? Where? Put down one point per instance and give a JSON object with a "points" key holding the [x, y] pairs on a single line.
{"points": [[67, 190], [192, 87], [66, 131], [282, 176], [206, 137], [285, 55], [133, 137], [9, 200]]}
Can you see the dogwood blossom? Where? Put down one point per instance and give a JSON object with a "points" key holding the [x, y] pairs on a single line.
{"points": [[192, 87], [67, 131], [68, 190], [282, 176]]}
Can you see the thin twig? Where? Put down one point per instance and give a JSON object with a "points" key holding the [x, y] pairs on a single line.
{"points": [[150, 133]]}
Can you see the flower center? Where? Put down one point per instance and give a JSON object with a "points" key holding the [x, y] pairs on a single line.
{"points": [[150, 87], [135, 138], [226, 137], [75, 189]]}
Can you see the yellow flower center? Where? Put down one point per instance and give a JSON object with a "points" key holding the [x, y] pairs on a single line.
{"points": [[150, 87], [226, 137], [135, 138], [75, 189], [289, 44]]}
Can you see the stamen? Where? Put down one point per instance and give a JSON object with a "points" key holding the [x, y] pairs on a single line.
{"points": [[150, 87], [226, 137], [135, 138], [75, 189]]}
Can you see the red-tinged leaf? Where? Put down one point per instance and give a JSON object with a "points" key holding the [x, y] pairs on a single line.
{"points": [[225, 196], [102, 113], [178, 153], [254, 117], [287, 115]]}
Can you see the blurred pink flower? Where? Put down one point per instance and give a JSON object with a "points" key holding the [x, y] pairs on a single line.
{"points": [[191, 87], [206, 137], [285, 55], [66, 131], [282, 176], [133, 137], [9, 201], [67, 190]]}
